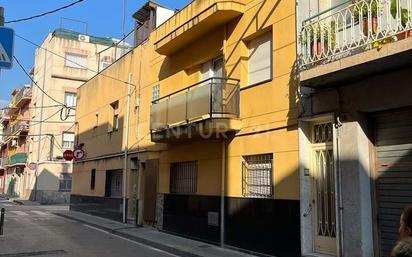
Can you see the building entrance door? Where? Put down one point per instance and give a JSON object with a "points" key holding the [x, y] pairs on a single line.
{"points": [[324, 189]]}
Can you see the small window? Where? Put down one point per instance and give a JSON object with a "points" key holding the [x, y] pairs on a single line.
{"points": [[156, 93], [257, 177], [183, 177], [260, 59], [114, 122], [68, 140], [93, 179], [65, 180], [70, 99], [104, 65], [77, 61]]}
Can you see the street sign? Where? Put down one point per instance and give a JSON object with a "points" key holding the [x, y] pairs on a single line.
{"points": [[6, 47], [32, 166], [68, 155], [79, 154]]}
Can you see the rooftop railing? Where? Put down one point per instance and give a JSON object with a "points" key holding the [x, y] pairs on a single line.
{"points": [[353, 27]]}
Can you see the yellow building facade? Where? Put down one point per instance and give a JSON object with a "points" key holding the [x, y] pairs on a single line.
{"points": [[210, 134]]}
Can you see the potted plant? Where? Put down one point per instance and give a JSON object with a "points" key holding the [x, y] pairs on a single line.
{"points": [[318, 37], [404, 13], [361, 13]]}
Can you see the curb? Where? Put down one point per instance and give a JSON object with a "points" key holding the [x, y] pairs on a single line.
{"points": [[137, 239]]}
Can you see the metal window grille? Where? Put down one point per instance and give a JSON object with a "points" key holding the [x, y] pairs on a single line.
{"points": [[65, 182], [183, 177], [323, 133], [156, 93], [257, 176]]}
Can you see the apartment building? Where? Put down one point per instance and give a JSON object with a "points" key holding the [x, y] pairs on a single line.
{"points": [[14, 146], [210, 131], [355, 124], [65, 60]]}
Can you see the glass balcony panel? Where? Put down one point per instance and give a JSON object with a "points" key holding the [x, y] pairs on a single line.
{"points": [[158, 115], [198, 102], [176, 113]]}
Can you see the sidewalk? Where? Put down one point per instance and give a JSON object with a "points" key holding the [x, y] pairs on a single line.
{"points": [[173, 244]]}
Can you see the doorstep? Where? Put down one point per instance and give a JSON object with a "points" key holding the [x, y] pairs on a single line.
{"points": [[173, 244]]}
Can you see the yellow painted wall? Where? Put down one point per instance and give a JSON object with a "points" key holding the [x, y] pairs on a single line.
{"points": [[268, 110]]}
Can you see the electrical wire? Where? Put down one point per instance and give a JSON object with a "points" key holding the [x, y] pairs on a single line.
{"points": [[33, 107], [35, 83], [44, 14]]}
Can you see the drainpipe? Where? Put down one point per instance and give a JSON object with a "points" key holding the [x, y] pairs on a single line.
{"points": [[340, 201], [126, 148], [222, 196]]}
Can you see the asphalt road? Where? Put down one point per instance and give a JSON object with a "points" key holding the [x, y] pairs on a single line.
{"points": [[36, 231]]}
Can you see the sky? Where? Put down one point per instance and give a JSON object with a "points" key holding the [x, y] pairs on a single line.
{"points": [[103, 18]]}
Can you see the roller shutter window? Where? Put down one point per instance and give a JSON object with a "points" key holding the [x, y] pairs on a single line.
{"points": [[77, 61], [260, 59]]}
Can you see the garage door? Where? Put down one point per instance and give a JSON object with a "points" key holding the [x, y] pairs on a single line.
{"points": [[393, 145]]}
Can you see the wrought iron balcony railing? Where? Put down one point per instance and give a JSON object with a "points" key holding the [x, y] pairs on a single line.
{"points": [[208, 99], [353, 27], [20, 126]]}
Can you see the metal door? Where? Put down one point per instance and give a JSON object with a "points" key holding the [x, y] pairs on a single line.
{"points": [[393, 166], [324, 189]]}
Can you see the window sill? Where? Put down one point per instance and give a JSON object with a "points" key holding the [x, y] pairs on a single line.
{"points": [[256, 84]]}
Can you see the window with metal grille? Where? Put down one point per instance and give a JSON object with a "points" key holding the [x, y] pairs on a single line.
{"points": [[183, 177], [257, 176], [65, 180], [155, 92]]}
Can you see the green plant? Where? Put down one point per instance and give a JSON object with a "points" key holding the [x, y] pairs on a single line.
{"points": [[403, 12], [361, 8]]}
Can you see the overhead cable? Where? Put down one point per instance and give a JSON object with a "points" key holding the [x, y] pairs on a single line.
{"points": [[44, 14]]}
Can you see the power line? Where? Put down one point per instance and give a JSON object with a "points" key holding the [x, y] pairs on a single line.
{"points": [[33, 107], [35, 83], [82, 66], [44, 14]]}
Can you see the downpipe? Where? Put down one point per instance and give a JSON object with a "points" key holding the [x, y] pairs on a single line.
{"points": [[126, 149]]}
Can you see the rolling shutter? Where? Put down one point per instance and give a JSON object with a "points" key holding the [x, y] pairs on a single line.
{"points": [[393, 145]]}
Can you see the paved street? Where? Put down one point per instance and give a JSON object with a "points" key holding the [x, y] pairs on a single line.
{"points": [[36, 231]]}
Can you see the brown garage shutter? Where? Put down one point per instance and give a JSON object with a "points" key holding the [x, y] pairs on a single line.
{"points": [[393, 145]]}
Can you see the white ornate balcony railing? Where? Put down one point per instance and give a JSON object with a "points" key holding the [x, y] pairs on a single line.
{"points": [[353, 27]]}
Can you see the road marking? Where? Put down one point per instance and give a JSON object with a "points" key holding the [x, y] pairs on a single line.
{"points": [[20, 213], [40, 213], [8, 205], [131, 241]]}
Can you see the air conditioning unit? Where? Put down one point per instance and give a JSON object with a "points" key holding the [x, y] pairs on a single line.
{"points": [[84, 38]]}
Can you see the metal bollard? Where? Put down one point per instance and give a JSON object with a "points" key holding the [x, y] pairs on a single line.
{"points": [[2, 221]]}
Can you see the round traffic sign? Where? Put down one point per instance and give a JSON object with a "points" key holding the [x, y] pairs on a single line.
{"points": [[68, 155], [79, 154]]}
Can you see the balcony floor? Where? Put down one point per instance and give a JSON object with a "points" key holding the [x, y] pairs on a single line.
{"points": [[216, 128], [389, 56]]}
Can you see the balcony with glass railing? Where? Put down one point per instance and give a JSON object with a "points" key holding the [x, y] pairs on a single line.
{"points": [[351, 28], [203, 109]]}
